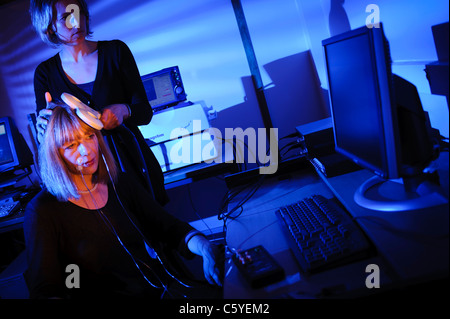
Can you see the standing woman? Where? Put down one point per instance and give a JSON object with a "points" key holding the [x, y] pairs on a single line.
{"points": [[102, 74]]}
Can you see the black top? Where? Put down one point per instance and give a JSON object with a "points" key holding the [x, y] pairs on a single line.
{"points": [[87, 87], [117, 82], [58, 234]]}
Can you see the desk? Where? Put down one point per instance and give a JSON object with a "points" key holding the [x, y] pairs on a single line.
{"points": [[12, 283], [411, 247], [197, 171], [15, 220]]}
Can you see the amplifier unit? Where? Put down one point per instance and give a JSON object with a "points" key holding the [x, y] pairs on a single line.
{"points": [[164, 88]]}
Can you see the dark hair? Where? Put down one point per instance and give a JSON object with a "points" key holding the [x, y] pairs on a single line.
{"points": [[42, 18]]}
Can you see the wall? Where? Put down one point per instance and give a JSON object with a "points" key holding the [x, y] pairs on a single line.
{"points": [[199, 36], [282, 45], [202, 38], [407, 25]]}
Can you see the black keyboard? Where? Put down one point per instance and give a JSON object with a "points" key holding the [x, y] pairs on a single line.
{"points": [[8, 206], [321, 234]]}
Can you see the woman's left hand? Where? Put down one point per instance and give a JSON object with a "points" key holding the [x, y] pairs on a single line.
{"points": [[114, 115], [201, 246]]}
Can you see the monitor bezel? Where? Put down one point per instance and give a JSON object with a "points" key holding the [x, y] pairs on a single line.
{"points": [[387, 112], [177, 84], [10, 134]]}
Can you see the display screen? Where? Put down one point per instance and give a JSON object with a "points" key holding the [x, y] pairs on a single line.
{"points": [[357, 115], [6, 155], [159, 90], [164, 88]]}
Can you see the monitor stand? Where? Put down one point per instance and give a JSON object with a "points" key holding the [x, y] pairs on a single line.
{"points": [[391, 195]]}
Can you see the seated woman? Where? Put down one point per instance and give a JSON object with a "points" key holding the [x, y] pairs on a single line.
{"points": [[91, 217]]}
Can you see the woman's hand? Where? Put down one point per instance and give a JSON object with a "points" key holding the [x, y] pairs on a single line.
{"points": [[43, 117], [114, 115], [199, 245]]}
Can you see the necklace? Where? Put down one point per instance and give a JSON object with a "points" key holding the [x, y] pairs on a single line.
{"points": [[88, 191]]}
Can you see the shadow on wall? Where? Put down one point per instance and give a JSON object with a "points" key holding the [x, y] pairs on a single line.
{"points": [[243, 115], [338, 19], [294, 97]]}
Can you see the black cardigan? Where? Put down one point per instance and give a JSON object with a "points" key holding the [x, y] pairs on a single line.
{"points": [[58, 234], [117, 82]]}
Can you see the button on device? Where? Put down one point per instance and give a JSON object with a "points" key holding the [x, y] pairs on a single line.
{"points": [[258, 267]]}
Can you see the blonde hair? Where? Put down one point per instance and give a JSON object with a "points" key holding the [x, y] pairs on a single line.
{"points": [[42, 11], [65, 126]]}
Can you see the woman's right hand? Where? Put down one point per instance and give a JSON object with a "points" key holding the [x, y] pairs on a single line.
{"points": [[43, 117]]}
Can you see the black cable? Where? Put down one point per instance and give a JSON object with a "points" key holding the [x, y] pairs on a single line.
{"points": [[113, 230], [292, 135], [246, 198], [139, 231], [288, 144], [195, 210], [251, 192], [290, 148], [224, 205], [111, 227]]}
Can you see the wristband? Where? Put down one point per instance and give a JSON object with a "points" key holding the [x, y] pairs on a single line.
{"points": [[191, 234], [129, 110]]}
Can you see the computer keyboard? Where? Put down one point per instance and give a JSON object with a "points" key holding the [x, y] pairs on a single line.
{"points": [[8, 206], [321, 235]]}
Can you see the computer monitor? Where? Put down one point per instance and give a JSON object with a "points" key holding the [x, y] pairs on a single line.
{"points": [[164, 88], [378, 120], [14, 152]]}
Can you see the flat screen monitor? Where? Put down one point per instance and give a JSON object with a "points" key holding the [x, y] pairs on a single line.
{"points": [[6, 155], [14, 152], [378, 119], [164, 88]]}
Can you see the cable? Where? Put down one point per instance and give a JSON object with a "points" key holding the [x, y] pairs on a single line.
{"points": [[228, 215], [292, 135], [288, 144], [291, 148], [139, 231], [246, 198], [257, 232], [113, 230], [195, 210]]}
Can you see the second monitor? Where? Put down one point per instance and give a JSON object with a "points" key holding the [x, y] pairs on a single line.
{"points": [[379, 121]]}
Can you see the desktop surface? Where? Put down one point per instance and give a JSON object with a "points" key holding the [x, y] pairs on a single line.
{"points": [[415, 242], [22, 195], [409, 247]]}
